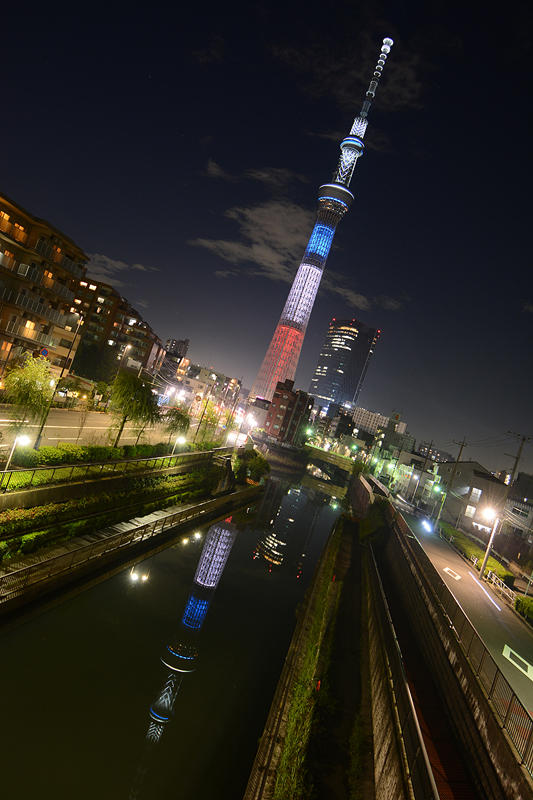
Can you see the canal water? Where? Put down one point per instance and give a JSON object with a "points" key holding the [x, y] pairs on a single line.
{"points": [[90, 710]]}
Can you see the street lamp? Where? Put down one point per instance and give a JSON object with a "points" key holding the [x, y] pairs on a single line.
{"points": [[179, 440], [489, 514], [22, 440]]}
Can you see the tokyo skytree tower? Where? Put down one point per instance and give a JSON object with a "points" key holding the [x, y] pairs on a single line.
{"points": [[334, 200]]}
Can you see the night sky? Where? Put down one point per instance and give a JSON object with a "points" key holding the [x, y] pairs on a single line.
{"points": [[182, 148]]}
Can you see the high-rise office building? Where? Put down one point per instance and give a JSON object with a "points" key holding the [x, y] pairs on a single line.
{"points": [[334, 200], [343, 362]]}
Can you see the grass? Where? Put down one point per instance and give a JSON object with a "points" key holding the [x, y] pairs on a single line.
{"points": [[472, 550], [292, 779]]}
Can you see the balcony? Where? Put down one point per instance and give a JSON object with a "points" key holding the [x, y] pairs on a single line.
{"points": [[47, 250], [12, 230], [36, 275], [35, 304], [33, 335]]}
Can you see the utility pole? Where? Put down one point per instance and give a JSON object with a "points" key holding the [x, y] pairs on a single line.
{"points": [[422, 470], [523, 440]]}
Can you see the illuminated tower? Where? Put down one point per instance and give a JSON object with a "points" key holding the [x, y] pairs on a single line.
{"points": [[334, 200]]}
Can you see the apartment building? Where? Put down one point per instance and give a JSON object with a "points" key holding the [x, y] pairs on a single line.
{"points": [[40, 269]]}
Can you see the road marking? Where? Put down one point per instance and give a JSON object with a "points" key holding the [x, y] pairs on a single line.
{"points": [[494, 603], [519, 662], [452, 573]]}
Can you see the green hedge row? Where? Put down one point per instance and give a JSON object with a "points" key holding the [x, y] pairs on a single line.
{"points": [[68, 453], [471, 549], [524, 606]]}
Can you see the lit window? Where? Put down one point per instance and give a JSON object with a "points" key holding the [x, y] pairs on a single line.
{"points": [[470, 511], [92, 287], [83, 283]]}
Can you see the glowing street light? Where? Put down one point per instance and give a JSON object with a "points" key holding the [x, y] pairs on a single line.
{"points": [[23, 440], [489, 514], [180, 440]]}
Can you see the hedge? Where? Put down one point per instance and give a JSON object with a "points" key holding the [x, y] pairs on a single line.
{"points": [[524, 606], [68, 453]]}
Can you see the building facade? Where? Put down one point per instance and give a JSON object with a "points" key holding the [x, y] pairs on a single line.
{"points": [[288, 413], [40, 268], [343, 362], [371, 421], [112, 324]]}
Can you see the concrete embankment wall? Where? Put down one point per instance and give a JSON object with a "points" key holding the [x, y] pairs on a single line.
{"points": [[490, 755]]}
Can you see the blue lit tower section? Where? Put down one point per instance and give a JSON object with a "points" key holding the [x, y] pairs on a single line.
{"points": [[182, 657], [334, 200]]}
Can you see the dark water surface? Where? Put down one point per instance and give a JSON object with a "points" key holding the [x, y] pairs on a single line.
{"points": [[78, 680]]}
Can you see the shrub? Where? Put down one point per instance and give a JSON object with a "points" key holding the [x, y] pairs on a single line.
{"points": [[524, 606]]}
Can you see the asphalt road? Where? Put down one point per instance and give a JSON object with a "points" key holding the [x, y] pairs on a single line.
{"points": [[499, 627], [69, 426]]}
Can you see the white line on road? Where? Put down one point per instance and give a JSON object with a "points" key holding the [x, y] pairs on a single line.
{"points": [[519, 662], [452, 573], [494, 603]]}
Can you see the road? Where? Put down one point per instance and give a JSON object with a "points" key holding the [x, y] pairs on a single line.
{"points": [[69, 426], [502, 631]]}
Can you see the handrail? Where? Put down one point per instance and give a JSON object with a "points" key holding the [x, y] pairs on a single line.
{"points": [[420, 773], [109, 466], [506, 704]]}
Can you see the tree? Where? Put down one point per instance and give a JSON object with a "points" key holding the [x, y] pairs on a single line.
{"points": [[132, 399], [176, 421], [28, 387]]}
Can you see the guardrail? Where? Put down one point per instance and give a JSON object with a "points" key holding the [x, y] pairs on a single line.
{"points": [[508, 708], [13, 582], [420, 773], [65, 472]]}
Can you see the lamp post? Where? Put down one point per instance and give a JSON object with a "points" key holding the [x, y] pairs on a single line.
{"points": [[490, 514], [23, 440], [63, 368]]}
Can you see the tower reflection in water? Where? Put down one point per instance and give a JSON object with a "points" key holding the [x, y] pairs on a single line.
{"points": [[181, 657]]}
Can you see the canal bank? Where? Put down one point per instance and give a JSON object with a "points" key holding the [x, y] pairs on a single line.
{"points": [[82, 708]]}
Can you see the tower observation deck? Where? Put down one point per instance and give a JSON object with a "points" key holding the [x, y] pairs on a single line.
{"points": [[334, 200]]}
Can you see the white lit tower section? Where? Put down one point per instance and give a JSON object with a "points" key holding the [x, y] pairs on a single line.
{"points": [[334, 200]]}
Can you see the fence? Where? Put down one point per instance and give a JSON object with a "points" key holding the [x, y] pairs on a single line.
{"points": [[508, 708], [419, 767], [40, 476], [14, 582]]}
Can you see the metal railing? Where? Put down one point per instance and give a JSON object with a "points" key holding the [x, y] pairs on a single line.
{"points": [[510, 711], [14, 582], [419, 767], [66, 472]]}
